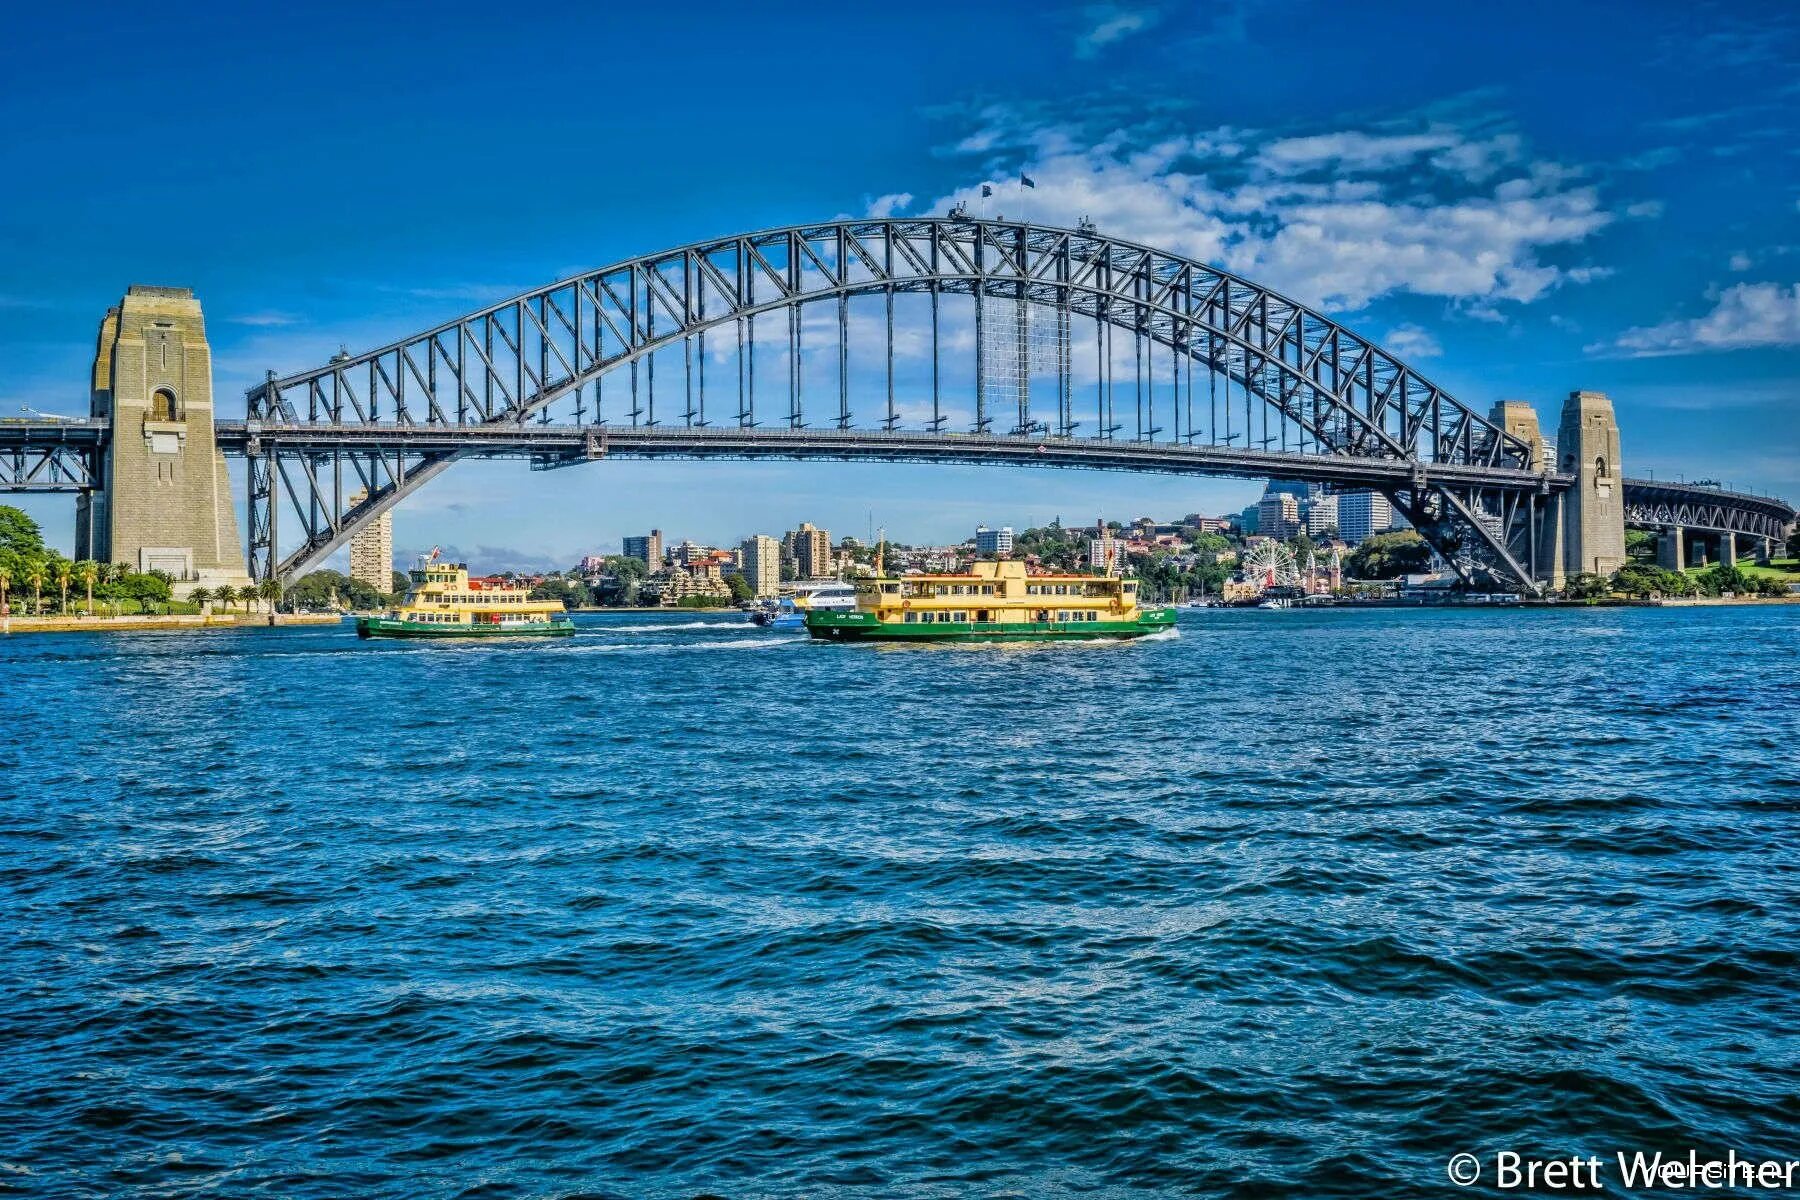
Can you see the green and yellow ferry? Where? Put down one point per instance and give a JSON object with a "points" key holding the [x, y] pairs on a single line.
{"points": [[995, 601], [443, 602]]}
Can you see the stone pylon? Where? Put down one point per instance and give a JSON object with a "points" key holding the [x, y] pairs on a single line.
{"points": [[165, 498], [1587, 447], [1521, 421]]}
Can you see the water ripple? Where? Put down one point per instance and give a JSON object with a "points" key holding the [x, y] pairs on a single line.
{"points": [[1288, 904]]}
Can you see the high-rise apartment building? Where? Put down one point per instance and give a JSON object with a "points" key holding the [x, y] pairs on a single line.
{"points": [[372, 551], [1321, 515], [812, 552], [1361, 515], [1107, 553], [761, 559], [993, 541], [1278, 515], [649, 549]]}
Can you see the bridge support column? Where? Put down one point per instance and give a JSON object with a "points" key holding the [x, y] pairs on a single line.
{"points": [[1765, 550], [1521, 420], [1728, 549], [165, 503], [1671, 554], [1587, 443]]}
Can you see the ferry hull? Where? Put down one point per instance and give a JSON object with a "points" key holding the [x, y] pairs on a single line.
{"points": [[862, 627], [387, 627]]}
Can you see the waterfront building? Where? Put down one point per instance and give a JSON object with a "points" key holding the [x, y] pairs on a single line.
{"points": [[372, 550], [1362, 515], [1278, 515], [675, 584], [812, 552], [761, 558], [991, 543], [1250, 520], [647, 550], [689, 553], [592, 564]]}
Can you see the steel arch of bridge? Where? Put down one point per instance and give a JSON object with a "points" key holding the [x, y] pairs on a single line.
{"points": [[1330, 394]]}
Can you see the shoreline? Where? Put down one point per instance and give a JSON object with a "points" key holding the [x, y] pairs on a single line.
{"points": [[154, 622]]}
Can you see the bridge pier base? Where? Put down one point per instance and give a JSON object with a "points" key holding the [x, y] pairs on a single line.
{"points": [[1670, 551], [1728, 549], [1546, 548], [1765, 551], [164, 502], [1588, 444]]}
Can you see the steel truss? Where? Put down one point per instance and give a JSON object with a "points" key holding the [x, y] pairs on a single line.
{"points": [[1651, 505], [597, 340], [51, 455]]}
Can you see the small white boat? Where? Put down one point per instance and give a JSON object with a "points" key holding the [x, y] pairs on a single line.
{"points": [[790, 613]]}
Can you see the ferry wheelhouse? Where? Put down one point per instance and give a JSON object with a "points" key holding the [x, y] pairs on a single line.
{"points": [[443, 602], [995, 601]]}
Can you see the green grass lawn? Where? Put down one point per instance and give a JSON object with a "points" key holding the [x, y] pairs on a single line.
{"points": [[1785, 569]]}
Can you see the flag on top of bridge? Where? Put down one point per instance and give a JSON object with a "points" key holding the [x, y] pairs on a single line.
{"points": [[1027, 180], [986, 191]]}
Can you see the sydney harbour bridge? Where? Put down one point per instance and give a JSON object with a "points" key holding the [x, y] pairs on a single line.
{"points": [[939, 340]]}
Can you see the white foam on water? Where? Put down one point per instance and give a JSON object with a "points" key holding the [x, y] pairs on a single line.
{"points": [[663, 627], [773, 643]]}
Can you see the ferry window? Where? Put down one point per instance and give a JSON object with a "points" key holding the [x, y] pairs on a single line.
{"points": [[1131, 587], [890, 588], [962, 616], [912, 618]]}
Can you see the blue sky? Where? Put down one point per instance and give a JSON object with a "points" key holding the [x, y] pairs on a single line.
{"points": [[1563, 196]]}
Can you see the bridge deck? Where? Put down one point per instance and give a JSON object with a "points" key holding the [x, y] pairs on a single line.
{"points": [[551, 445]]}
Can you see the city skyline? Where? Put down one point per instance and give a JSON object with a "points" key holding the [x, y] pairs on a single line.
{"points": [[1511, 244]]}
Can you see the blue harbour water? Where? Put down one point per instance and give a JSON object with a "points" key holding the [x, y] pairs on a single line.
{"points": [[1290, 904]]}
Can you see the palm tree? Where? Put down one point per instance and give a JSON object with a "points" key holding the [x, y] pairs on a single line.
{"points": [[34, 573], [247, 594], [270, 589], [86, 570], [200, 596], [9, 566], [62, 570]]}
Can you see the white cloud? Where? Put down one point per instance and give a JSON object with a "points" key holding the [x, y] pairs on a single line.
{"points": [[1411, 342], [1335, 219], [1644, 210], [1744, 317], [1741, 262], [265, 320], [888, 205], [1109, 23]]}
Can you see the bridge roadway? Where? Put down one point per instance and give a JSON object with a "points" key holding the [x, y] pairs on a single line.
{"points": [[550, 445], [45, 455]]}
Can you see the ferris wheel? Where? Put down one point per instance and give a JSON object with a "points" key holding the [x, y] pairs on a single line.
{"points": [[1270, 564]]}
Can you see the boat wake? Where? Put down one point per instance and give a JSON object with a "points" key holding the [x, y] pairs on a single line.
{"points": [[668, 626], [757, 643]]}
